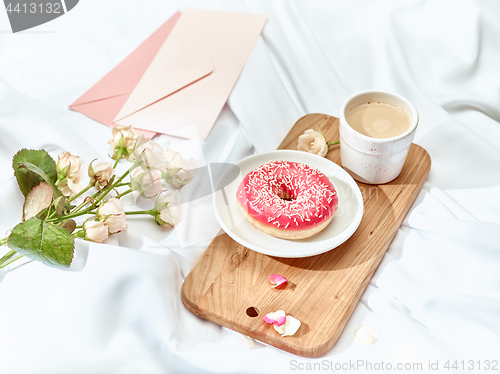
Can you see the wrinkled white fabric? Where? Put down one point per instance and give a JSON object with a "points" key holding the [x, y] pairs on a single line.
{"points": [[436, 294]]}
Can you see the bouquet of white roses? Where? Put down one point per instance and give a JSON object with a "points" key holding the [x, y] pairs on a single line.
{"points": [[51, 218]]}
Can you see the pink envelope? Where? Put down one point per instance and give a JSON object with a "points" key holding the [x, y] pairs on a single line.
{"points": [[103, 101], [188, 82], [179, 87]]}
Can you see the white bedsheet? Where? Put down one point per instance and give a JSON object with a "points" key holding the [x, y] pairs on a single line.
{"points": [[436, 294]]}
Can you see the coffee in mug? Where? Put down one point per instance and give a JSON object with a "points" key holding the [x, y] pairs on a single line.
{"points": [[378, 119], [376, 130]]}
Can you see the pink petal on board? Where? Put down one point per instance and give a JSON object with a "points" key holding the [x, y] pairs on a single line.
{"points": [[277, 318], [268, 318], [277, 280], [280, 320]]}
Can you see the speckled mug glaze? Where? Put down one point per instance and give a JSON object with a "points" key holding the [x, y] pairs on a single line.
{"points": [[375, 160]]}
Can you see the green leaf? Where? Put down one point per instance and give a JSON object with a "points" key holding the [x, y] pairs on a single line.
{"points": [[59, 205], [42, 174], [39, 198], [27, 179], [42, 241]]}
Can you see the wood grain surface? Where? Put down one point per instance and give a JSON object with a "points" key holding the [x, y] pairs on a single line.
{"points": [[323, 290]]}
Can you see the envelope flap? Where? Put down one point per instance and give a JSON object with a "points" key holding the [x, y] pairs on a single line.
{"points": [[125, 76], [182, 60]]}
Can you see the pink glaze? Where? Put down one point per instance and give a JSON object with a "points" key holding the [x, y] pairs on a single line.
{"points": [[314, 197]]}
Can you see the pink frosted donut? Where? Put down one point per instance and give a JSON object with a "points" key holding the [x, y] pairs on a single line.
{"points": [[288, 200]]}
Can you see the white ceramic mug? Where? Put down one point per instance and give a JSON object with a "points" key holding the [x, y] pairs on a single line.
{"points": [[375, 160]]}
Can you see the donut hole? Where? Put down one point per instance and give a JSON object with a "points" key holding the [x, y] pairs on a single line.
{"points": [[283, 195]]}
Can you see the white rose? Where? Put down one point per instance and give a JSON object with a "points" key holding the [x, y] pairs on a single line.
{"points": [[147, 183], [313, 142], [101, 174], [68, 173], [68, 166], [150, 154], [168, 213], [123, 138], [112, 214], [177, 174], [95, 231], [68, 188]]}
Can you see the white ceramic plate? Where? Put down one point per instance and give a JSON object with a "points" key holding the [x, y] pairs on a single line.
{"points": [[342, 226]]}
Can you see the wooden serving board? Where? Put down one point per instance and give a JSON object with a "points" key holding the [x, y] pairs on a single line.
{"points": [[229, 285]]}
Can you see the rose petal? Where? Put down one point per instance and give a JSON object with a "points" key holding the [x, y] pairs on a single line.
{"points": [[269, 318], [289, 328], [280, 320], [277, 280], [366, 335], [277, 318]]}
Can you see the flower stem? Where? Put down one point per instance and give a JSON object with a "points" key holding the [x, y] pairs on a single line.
{"points": [[7, 259], [90, 200], [86, 201], [79, 207], [48, 210], [82, 191], [117, 182], [4, 241], [123, 193], [100, 195], [332, 143], [150, 212], [73, 215], [119, 155], [10, 262], [52, 214]]}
